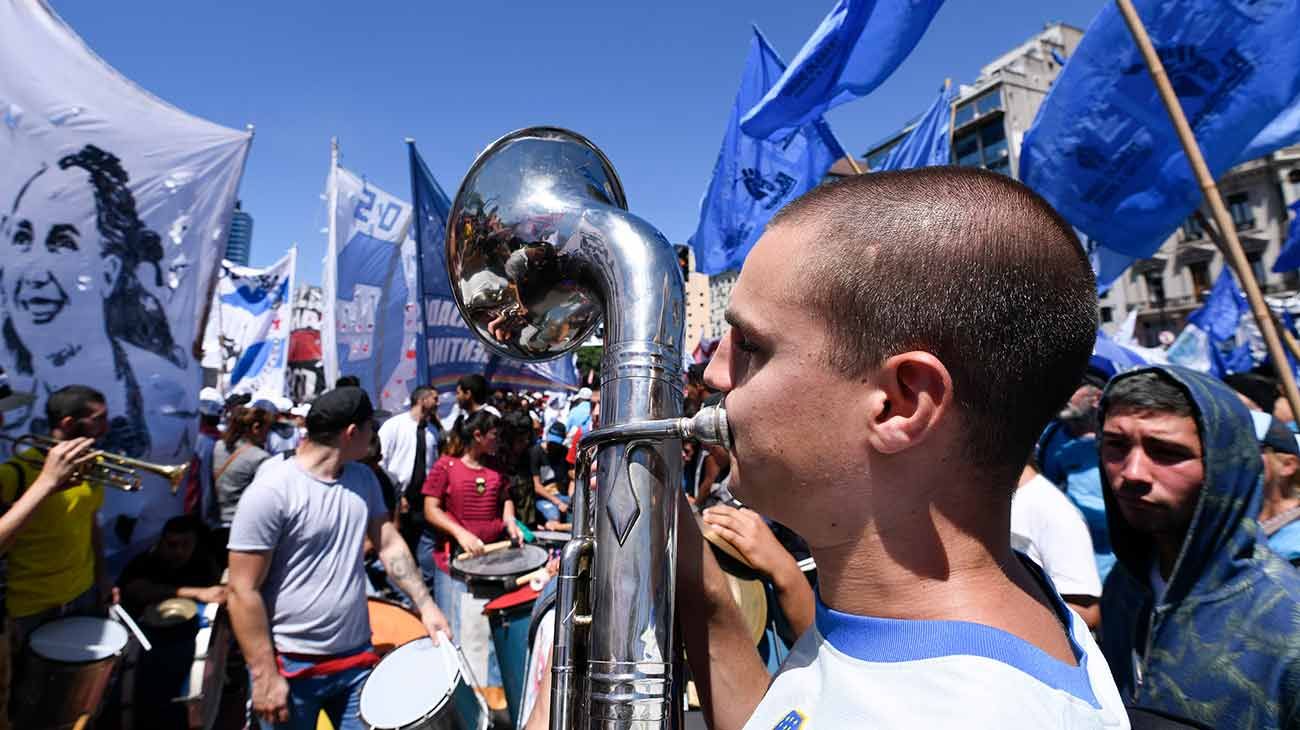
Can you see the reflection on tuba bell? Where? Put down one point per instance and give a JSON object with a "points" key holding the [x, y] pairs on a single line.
{"points": [[540, 247], [103, 468]]}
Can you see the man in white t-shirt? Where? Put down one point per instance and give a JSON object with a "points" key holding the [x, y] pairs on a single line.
{"points": [[471, 395], [946, 314], [1050, 530], [297, 595]]}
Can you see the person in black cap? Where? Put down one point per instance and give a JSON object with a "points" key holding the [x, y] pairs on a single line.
{"points": [[297, 594]]}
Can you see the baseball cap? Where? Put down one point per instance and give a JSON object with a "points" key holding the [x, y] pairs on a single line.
{"points": [[335, 410], [283, 404], [301, 410], [1275, 435], [265, 402], [210, 402], [583, 394], [11, 399]]}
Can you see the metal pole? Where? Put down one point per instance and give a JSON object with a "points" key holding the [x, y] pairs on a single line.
{"points": [[1236, 256]]}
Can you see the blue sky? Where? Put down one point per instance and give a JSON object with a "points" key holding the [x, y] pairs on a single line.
{"points": [[651, 84]]}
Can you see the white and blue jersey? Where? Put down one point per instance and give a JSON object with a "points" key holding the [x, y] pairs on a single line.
{"points": [[852, 671]]}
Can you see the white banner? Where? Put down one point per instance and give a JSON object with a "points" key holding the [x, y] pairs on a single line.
{"points": [[114, 208], [371, 324], [247, 338]]}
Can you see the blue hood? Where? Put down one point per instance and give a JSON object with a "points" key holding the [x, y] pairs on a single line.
{"points": [[1221, 647], [1223, 525]]}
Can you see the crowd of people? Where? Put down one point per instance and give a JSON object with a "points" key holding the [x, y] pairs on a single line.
{"points": [[956, 519]]}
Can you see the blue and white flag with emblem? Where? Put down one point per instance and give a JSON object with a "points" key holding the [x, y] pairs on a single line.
{"points": [[247, 338], [370, 327], [754, 178]]}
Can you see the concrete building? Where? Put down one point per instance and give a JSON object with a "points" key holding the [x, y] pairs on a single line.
{"points": [[1167, 287], [698, 321], [239, 244]]}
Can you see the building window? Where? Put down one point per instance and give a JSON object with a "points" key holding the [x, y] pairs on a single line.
{"points": [[978, 107], [1192, 230], [1155, 288], [1107, 314], [1242, 215], [1256, 259], [984, 145], [1200, 272], [1293, 176]]}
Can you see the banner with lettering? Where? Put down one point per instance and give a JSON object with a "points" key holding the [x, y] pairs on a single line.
{"points": [[371, 321], [247, 338]]}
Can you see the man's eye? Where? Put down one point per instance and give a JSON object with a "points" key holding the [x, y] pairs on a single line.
{"points": [[22, 238], [745, 345]]}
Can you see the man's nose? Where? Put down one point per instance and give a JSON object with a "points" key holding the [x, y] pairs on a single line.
{"points": [[1137, 467], [718, 373]]}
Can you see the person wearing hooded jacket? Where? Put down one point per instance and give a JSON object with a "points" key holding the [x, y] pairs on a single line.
{"points": [[1200, 619]]}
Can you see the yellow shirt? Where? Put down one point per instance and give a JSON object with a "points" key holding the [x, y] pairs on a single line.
{"points": [[52, 559]]}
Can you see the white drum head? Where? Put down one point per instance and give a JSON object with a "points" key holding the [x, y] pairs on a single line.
{"points": [[79, 639], [412, 682]]}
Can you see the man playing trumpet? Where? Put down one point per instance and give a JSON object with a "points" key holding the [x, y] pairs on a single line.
{"points": [[55, 561]]}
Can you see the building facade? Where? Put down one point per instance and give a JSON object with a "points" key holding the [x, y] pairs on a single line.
{"points": [[239, 244]]}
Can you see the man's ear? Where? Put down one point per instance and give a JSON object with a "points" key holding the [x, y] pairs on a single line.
{"points": [[1288, 465], [911, 394]]}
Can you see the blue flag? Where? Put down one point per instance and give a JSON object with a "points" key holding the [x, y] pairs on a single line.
{"points": [[1288, 259], [753, 179], [857, 46], [929, 143], [1281, 132], [1209, 342], [450, 349], [1102, 150]]}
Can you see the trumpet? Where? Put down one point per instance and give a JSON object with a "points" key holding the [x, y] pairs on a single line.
{"points": [[103, 468]]}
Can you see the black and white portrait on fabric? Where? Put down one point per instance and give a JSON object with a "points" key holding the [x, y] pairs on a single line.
{"points": [[80, 283]]}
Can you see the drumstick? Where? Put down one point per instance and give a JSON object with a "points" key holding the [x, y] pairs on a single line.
{"points": [[524, 580], [121, 615], [495, 546]]}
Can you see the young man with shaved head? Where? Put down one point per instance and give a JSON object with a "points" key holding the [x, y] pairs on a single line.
{"points": [[948, 313]]}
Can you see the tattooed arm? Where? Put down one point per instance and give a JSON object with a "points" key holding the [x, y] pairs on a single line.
{"points": [[405, 574]]}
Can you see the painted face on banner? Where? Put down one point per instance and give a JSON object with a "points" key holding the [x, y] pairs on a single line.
{"points": [[55, 277]]}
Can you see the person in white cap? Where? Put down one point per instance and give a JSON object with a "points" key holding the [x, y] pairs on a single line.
{"points": [[211, 405], [283, 435]]}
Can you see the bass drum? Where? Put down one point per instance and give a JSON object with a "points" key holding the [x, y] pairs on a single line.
{"points": [[419, 686], [66, 670]]}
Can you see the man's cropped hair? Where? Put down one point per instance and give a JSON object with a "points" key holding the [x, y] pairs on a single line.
{"points": [[965, 264], [476, 385], [71, 401]]}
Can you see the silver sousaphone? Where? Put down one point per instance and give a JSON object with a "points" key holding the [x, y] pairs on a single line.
{"points": [[540, 249]]}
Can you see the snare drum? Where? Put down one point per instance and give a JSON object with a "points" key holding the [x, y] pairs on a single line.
{"points": [[392, 624], [552, 538], [419, 686], [67, 668], [494, 574]]}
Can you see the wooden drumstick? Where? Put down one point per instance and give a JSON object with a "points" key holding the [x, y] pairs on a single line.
{"points": [[495, 546], [524, 580]]}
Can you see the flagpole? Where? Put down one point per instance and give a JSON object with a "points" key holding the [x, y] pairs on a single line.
{"points": [[197, 348], [952, 118], [1235, 255]]}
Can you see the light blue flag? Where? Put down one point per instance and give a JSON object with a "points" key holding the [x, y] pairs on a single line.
{"points": [[1288, 259], [753, 179], [929, 143], [1210, 342], [1102, 149], [857, 46], [1107, 265], [450, 349]]}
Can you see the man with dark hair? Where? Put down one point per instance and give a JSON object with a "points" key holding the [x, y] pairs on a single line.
{"points": [[56, 562], [297, 593], [471, 395], [947, 313], [180, 565], [1198, 615], [408, 443], [347, 381]]}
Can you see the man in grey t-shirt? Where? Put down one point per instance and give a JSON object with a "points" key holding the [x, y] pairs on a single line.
{"points": [[297, 584]]}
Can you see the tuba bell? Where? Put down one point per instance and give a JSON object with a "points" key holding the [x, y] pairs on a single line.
{"points": [[541, 250]]}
